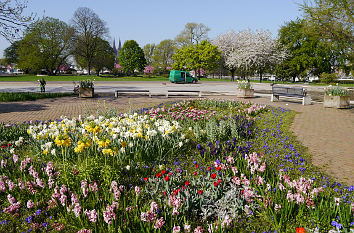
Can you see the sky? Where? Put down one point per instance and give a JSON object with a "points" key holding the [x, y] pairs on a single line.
{"points": [[151, 21]]}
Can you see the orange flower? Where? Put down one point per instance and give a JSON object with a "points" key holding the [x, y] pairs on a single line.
{"points": [[300, 230]]}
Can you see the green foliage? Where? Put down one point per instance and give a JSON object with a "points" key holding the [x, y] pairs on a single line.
{"points": [[11, 53], [336, 91], [306, 53], [132, 57], [46, 45], [23, 96], [162, 56], [149, 50], [86, 83], [193, 57], [104, 56], [328, 78]]}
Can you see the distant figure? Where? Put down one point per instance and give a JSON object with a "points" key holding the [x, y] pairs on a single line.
{"points": [[42, 84]]}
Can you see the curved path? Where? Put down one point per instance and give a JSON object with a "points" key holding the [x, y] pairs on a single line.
{"points": [[328, 133]]}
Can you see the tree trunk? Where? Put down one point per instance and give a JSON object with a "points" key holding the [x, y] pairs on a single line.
{"points": [[260, 76], [232, 75]]}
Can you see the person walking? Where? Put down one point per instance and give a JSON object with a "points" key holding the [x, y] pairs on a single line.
{"points": [[42, 84]]}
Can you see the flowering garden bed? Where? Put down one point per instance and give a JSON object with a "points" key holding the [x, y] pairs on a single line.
{"points": [[194, 166]]}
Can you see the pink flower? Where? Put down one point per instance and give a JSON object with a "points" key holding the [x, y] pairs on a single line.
{"points": [[15, 158], [84, 231], [12, 209], [137, 190], [175, 211], [2, 185], [40, 183], [277, 207], [63, 199], [92, 215], [11, 199], [337, 200], [77, 210], [176, 229], [199, 229], [227, 221], [187, 228], [154, 206], [10, 184], [3, 163], [159, 223], [94, 186], [30, 204]]}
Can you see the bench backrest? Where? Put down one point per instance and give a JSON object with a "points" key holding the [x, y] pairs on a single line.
{"points": [[295, 91]]}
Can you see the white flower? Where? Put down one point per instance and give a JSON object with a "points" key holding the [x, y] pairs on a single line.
{"points": [[122, 150], [127, 167], [12, 150], [180, 144], [52, 151]]}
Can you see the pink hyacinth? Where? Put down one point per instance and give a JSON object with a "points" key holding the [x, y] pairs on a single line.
{"points": [[84, 187], [92, 215], [236, 180], [49, 169], [10, 184], [199, 229], [63, 199], [3, 163], [77, 210], [94, 186], [84, 231], [15, 158], [2, 185], [187, 228], [11, 199], [154, 206], [176, 229], [12, 209], [63, 190], [30, 204], [40, 183], [137, 190], [159, 223], [277, 207]]}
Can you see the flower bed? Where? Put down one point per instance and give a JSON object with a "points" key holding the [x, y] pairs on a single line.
{"points": [[193, 166]]}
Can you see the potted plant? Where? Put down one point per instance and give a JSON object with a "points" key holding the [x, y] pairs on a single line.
{"points": [[86, 89], [244, 89], [336, 97]]}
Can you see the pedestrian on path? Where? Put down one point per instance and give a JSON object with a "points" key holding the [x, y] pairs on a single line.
{"points": [[42, 84]]}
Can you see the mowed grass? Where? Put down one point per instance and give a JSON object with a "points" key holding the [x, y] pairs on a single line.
{"points": [[76, 78], [23, 96]]}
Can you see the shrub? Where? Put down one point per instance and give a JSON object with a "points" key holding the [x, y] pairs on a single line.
{"points": [[328, 78]]}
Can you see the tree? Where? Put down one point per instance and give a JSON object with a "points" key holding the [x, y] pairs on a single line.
{"points": [[46, 45], [103, 57], [247, 51], [11, 19], [11, 53], [163, 53], [194, 57], [307, 53], [149, 53], [132, 57], [331, 19], [88, 28], [192, 33]]}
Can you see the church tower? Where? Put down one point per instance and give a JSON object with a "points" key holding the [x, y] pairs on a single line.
{"points": [[115, 50]]}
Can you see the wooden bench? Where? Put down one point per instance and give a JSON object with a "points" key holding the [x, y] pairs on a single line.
{"points": [[183, 91], [130, 91], [297, 92]]}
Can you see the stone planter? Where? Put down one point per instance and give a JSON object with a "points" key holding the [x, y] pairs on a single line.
{"points": [[336, 101], [245, 93], [86, 92]]}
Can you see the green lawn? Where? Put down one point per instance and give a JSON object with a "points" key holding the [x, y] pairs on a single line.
{"points": [[69, 78]]}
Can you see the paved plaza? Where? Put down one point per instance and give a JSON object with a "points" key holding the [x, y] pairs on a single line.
{"points": [[328, 133]]}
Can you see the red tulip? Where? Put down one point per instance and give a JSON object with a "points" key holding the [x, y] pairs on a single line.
{"points": [[213, 176], [300, 230], [167, 178]]}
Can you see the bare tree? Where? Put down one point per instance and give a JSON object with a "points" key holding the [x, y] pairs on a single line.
{"points": [[11, 19], [89, 28], [192, 33]]}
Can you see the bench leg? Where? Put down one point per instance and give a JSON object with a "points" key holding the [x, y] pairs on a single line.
{"points": [[306, 100], [274, 98], [116, 94], [150, 94], [167, 95], [200, 94]]}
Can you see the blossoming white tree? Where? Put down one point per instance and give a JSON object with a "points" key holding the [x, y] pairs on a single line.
{"points": [[249, 51]]}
